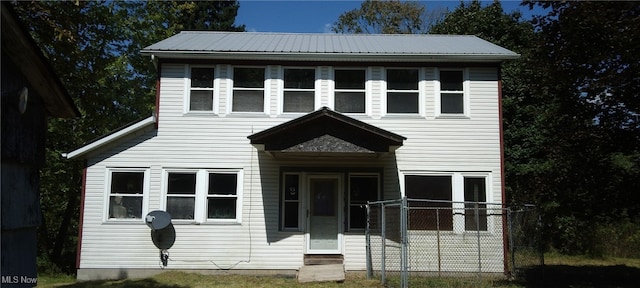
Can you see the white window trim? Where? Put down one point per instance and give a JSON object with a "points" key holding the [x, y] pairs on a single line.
{"points": [[348, 192], [465, 95], [368, 89], [301, 204], [457, 189], [421, 92], [215, 89], [107, 188], [202, 183], [265, 91], [280, 89]]}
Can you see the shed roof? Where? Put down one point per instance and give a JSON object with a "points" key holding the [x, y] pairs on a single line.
{"points": [[351, 47]]}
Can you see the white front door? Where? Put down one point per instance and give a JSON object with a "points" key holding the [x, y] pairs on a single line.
{"points": [[324, 223]]}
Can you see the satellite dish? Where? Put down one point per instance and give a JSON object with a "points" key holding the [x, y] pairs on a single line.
{"points": [[158, 219], [164, 238]]}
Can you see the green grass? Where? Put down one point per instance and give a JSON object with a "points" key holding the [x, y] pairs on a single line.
{"points": [[559, 271]]}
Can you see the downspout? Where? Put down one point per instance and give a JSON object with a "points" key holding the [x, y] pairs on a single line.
{"points": [[81, 220], [505, 235]]}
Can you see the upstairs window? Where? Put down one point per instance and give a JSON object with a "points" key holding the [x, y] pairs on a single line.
{"points": [[299, 90], [350, 93], [452, 92], [248, 89], [201, 89], [402, 91], [126, 192]]}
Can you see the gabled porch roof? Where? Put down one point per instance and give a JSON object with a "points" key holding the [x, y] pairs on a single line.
{"points": [[326, 132]]}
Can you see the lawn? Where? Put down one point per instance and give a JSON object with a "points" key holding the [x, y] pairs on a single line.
{"points": [[559, 271]]}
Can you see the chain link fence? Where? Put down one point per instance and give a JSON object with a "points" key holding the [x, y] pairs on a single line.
{"points": [[410, 239]]}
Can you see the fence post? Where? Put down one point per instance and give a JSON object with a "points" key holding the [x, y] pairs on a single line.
{"points": [[511, 244], [383, 234], [477, 216], [404, 268], [367, 235], [438, 242]]}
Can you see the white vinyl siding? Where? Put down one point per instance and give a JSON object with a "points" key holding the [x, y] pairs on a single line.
{"points": [[453, 145]]}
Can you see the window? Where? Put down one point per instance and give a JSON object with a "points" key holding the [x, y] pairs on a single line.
{"points": [[248, 89], [349, 94], [223, 196], [362, 188], [452, 92], [426, 215], [126, 193], [475, 191], [402, 91], [181, 195], [299, 93], [204, 195], [201, 89], [291, 202]]}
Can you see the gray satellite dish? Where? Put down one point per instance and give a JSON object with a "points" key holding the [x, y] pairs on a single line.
{"points": [[164, 238], [158, 219]]}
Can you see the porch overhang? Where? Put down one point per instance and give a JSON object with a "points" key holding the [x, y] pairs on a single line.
{"points": [[326, 133]]}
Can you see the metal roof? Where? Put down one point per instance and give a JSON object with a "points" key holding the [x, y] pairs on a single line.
{"points": [[258, 45]]}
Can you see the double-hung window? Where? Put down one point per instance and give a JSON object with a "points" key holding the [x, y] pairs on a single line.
{"points": [[181, 195], [349, 92], [362, 188], [204, 195], [291, 202], [402, 91], [222, 196], [299, 90], [475, 198], [248, 89], [452, 94], [201, 89], [126, 193]]}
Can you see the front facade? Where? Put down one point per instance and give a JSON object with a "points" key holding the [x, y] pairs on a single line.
{"points": [[264, 148]]}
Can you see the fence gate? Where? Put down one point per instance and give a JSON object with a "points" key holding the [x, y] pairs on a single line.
{"points": [[410, 239]]}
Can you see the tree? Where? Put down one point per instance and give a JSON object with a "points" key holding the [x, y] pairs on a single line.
{"points": [[591, 136], [386, 17], [94, 48], [569, 114]]}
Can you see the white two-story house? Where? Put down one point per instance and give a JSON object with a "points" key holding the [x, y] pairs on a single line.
{"points": [[264, 147]]}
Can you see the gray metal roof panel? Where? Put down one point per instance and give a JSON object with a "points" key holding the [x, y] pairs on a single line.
{"points": [[205, 42]]}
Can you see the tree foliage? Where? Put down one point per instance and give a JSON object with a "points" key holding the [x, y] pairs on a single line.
{"points": [[570, 110], [588, 159], [94, 48], [386, 17]]}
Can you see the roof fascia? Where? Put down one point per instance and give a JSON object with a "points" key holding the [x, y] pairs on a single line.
{"points": [[103, 141], [354, 57]]}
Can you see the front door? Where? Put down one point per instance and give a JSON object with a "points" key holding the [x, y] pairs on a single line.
{"points": [[325, 212]]}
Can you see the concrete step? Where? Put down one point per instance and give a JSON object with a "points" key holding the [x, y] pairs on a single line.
{"points": [[322, 259], [321, 273]]}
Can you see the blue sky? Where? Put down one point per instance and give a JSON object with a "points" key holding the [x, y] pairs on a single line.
{"points": [[308, 16]]}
